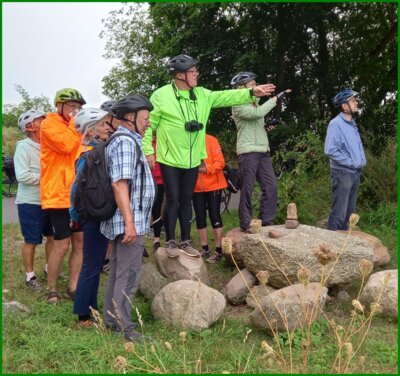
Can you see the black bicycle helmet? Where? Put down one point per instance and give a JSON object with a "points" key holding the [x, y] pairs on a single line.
{"points": [[106, 106], [242, 78], [343, 97], [132, 103], [181, 63]]}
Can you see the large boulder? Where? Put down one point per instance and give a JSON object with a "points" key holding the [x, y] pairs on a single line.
{"points": [[236, 290], [375, 286], [188, 304], [152, 281], [182, 267], [236, 235], [283, 257], [259, 292], [290, 308], [381, 253]]}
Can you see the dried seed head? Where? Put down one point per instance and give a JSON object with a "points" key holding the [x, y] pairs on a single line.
{"points": [[303, 274], [376, 308], [361, 360], [120, 363], [255, 226], [225, 372], [349, 349], [366, 267], [266, 347], [129, 347], [226, 244], [353, 313], [357, 305], [183, 336], [324, 254], [168, 346], [263, 277], [353, 220]]}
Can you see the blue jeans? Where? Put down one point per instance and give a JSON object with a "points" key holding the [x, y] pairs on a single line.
{"points": [[94, 251], [345, 185]]}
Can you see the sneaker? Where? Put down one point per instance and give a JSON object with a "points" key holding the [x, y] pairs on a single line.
{"points": [[156, 245], [33, 284], [171, 249], [70, 294], [145, 253], [204, 253], [187, 248], [214, 258]]}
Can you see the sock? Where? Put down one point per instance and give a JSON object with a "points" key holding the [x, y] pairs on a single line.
{"points": [[218, 250], [45, 268], [205, 248], [29, 276], [106, 261]]}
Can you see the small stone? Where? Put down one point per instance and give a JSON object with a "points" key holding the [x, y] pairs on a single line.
{"points": [[343, 296], [291, 211], [291, 223], [275, 234], [15, 307]]}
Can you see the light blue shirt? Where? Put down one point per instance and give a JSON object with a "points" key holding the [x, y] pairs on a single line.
{"points": [[343, 144], [27, 171]]}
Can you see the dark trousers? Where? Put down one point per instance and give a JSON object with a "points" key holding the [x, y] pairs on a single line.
{"points": [[211, 201], [258, 166], [345, 185], [94, 251], [179, 185], [156, 211]]}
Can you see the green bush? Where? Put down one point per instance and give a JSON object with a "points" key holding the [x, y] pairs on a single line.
{"points": [[10, 138]]}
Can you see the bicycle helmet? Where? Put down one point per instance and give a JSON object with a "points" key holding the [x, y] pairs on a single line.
{"points": [[27, 117], [343, 97], [132, 103], [86, 117], [181, 63], [67, 95], [106, 106], [242, 78]]}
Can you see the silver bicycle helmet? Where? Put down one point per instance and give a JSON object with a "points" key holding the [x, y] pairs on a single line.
{"points": [[27, 117], [86, 117]]}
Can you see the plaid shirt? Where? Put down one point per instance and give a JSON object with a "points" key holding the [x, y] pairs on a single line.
{"points": [[121, 160]]}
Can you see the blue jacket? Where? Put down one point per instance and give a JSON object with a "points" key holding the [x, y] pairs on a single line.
{"points": [[343, 145]]}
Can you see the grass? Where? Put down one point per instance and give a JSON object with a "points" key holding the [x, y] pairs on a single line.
{"points": [[49, 340]]}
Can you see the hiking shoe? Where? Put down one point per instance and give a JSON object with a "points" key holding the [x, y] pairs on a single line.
{"points": [[214, 258], [187, 248], [171, 249], [70, 294], [156, 245], [134, 337], [204, 253], [145, 253], [33, 284]]}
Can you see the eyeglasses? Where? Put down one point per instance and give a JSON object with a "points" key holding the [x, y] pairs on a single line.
{"points": [[192, 71], [74, 105]]}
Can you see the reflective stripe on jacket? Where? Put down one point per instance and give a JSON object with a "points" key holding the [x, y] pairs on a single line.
{"points": [[214, 178], [59, 143]]}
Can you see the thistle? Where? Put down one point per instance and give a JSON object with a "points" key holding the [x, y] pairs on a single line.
{"points": [[353, 220], [263, 277], [255, 226], [366, 267], [357, 305], [349, 349], [168, 346], [303, 274], [324, 254], [226, 244], [183, 336], [120, 363], [129, 347]]}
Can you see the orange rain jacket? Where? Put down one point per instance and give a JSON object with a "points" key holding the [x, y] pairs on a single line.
{"points": [[59, 143], [214, 178]]}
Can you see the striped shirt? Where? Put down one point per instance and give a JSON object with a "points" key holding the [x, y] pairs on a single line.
{"points": [[121, 160]]}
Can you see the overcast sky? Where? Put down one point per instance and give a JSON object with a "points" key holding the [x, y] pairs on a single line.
{"points": [[48, 46]]}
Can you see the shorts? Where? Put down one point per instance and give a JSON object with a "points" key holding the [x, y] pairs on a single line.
{"points": [[35, 223], [60, 220]]}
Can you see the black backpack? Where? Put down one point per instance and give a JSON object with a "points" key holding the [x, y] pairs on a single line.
{"points": [[94, 196], [232, 178]]}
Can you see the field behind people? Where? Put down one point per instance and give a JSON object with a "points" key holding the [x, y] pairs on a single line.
{"points": [[48, 339]]}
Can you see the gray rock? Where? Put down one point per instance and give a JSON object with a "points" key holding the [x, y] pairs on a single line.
{"points": [[182, 267], [343, 296], [297, 248], [236, 290], [259, 292], [290, 308], [15, 307], [152, 281], [188, 305], [389, 298]]}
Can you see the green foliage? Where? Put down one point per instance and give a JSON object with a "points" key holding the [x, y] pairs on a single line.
{"points": [[11, 136]]}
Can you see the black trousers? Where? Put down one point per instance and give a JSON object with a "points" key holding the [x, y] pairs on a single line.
{"points": [[211, 201], [179, 185], [156, 211], [258, 166]]}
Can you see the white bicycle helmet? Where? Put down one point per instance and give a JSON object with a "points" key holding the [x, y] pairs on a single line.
{"points": [[27, 117], [86, 117]]}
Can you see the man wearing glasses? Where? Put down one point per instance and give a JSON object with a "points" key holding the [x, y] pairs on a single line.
{"points": [[59, 143], [180, 115]]}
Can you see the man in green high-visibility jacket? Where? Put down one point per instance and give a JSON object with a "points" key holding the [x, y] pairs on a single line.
{"points": [[180, 115]]}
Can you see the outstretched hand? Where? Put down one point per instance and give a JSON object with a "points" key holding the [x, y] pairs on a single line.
{"points": [[263, 90]]}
